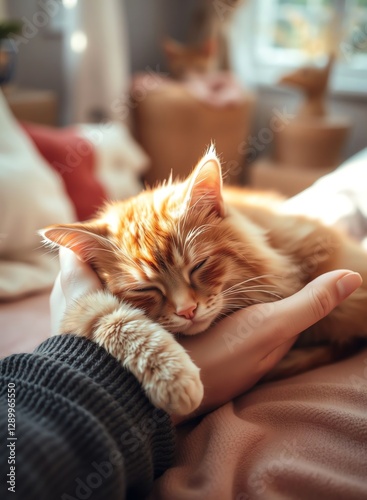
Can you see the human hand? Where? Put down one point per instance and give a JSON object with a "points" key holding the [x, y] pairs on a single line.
{"points": [[237, 352], [76, 278]]}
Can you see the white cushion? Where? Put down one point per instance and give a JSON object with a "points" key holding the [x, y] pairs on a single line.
{"points": [[32, 196], [339, 198], [120, 159]]}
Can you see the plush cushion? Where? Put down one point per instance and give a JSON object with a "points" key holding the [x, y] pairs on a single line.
{"points": [[32, 196], [73, 157], [338, 199], [96, 162], [120, 160]]}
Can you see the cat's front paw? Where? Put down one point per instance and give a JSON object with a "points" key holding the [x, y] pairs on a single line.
{"points": [[163, 367], [178, 393]]}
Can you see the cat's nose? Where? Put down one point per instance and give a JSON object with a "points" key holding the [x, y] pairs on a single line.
{"points": [[187, 312]]}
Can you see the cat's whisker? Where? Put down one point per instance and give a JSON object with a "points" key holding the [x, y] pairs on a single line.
{"points": [[241, 300], [253, 279], [260, 290], [235, 307], [273, 294], [240, 289]]}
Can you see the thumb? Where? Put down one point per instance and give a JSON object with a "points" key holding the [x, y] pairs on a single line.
{"points": [[316, 300]]}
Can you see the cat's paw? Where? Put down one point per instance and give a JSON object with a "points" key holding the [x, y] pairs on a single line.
{"points": [[179, 394], [162, 366]]}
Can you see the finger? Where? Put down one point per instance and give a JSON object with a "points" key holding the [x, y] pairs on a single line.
{"points": [[308, 306], [77, 277], [273, 357], [266, 326]]}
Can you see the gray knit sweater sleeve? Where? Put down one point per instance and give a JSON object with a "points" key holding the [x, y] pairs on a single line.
{"points": [[83, 427]]}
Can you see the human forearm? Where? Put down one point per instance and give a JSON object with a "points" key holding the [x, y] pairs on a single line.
{"points": [[81, 419]]}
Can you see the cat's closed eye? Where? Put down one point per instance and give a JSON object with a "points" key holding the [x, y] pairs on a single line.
{"points": [[198, 266], [147, 289]]}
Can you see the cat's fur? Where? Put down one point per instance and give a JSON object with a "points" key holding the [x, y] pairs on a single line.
{"points": [[180, 257]]}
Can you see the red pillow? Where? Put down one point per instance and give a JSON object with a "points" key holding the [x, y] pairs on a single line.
{"points": [[73, 157]]}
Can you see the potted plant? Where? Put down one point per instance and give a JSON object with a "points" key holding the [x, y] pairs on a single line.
{"points": [[7, 50]]}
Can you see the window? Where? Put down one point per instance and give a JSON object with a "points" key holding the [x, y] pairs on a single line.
{"points": [[354, 43], [283, 34]]}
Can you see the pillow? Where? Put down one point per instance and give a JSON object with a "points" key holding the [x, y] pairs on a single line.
{"points": [[120, 161], [73, 157], [96, 162], [339, 198], [32, 196]]}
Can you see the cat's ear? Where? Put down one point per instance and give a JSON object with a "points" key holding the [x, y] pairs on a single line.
{"points": [[205, 185], [84, 239], [171, 47]]}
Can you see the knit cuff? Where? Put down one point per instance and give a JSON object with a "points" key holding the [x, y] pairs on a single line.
{"points": [[149, 439]]}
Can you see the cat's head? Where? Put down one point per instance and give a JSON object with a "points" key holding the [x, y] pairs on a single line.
{"points": [[184, 60], [170, 251]]}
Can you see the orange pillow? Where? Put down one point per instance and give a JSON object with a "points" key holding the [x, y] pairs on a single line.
{"points": [[73, 157]]}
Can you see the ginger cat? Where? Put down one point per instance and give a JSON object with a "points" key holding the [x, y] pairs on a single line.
{"points": [[180, 257]]}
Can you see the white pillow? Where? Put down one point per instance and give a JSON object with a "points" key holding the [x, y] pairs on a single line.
{"points": [[31, 197], [120, 159], [339, 198]]}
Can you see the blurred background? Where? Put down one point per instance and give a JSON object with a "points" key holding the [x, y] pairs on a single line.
{"points": [[67, 62]]}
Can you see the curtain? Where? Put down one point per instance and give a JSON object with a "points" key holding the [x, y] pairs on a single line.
{"points": [[95, 59]]}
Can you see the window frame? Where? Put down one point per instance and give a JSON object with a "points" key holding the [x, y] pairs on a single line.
{"points": [[256, 69]]}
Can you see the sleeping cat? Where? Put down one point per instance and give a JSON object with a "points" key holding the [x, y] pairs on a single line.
{"points": [[180, 257]]}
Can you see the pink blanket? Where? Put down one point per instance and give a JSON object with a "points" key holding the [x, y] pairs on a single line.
{"points": [[300, 438], [24, 323]]}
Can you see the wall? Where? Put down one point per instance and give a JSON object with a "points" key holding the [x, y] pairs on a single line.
{"points": [[149, 22], [39, 61]]}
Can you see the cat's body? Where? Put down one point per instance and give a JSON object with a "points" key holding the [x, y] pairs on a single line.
{"points": [[182, 256]]}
